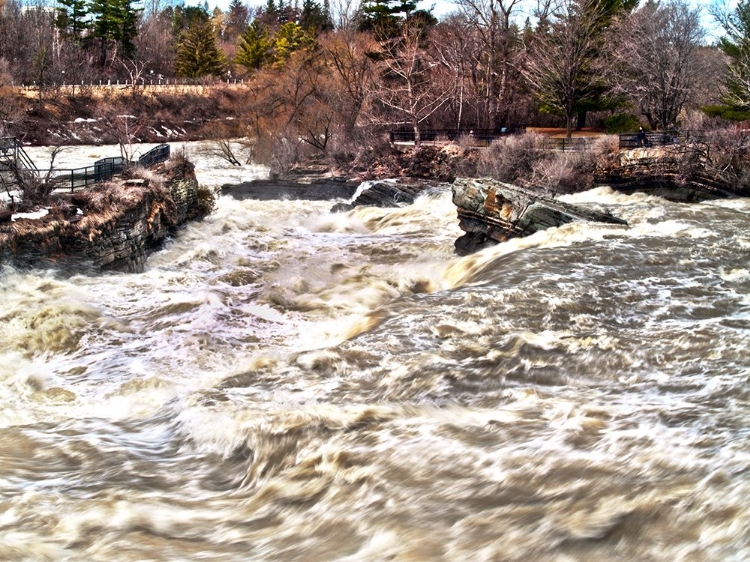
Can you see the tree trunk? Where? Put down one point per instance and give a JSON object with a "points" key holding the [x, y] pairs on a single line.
{"points": [[650, 118], [569, 126], [581, 122]]}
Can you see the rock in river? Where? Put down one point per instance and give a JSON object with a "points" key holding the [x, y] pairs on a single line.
{"points": [[490, 211]]}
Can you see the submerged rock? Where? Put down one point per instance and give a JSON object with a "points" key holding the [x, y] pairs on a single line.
{"points": [[386, 193], [490, 211]]}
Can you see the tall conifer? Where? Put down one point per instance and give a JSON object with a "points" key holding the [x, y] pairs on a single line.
{"points": [[197, 52], [255, 47], [72, 18]]}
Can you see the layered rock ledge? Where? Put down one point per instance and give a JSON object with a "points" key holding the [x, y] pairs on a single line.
{"points": [[386, 193], [318, 189], [110, 226], [490, 211], [676, 173]]}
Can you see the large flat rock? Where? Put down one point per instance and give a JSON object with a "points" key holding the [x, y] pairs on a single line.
{"points": [[324, 189], [490, 211]]}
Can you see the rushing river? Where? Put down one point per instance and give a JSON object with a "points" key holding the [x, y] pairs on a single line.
{"points": [[284, 384]]}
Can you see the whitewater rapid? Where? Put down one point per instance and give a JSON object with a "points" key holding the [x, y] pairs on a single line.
{"points": [[283, 383]]}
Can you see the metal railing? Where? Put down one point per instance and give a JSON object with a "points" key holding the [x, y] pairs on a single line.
{"points": [[565, 144], [104, 169], [661, 138], [107, 168], [482, 137], [11, 152], [155, 155]]}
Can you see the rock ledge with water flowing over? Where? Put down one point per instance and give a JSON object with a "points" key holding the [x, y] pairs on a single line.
{"points": [[109, 226], [490, 211], [308, 189]]}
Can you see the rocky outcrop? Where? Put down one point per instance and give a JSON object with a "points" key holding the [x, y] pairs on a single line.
{"points": [[676, 173], [387, 193], [115, 226], [320, 189], [490, 211]]}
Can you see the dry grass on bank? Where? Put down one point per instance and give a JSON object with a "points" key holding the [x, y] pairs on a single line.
{"points": [[104, 115]]}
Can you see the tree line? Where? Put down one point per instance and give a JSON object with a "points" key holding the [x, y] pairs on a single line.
{"points": [[314, 72]]}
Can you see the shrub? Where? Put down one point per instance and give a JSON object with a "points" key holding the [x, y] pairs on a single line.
{"points": [[206, 200], [525, 161], [726, 112], [511, 158], [723, 153]]}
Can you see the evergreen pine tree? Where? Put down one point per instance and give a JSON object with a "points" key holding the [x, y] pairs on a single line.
{"points": [[105, 25], [184, 16], [236, 20], [128, 28], [314, 18], [383, 17], [72, 18], [197, 52], [736, 45], [282, 13], [289, 38], [255, 47], [114, 21]]}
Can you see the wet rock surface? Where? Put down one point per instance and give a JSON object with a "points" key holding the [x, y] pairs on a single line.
{"points": [[320, 189], [387, 193], [490, 211]]}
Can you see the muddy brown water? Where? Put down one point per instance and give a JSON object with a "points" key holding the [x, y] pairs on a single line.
{"points": [[282, 383]]}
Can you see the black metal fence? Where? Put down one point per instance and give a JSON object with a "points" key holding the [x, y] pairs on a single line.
{"points": [[643, 139], [11, 153], [157, 154], [480, 137], [104, 169]]}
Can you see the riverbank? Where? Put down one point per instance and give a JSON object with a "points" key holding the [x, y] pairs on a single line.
{"points": [[109, 226], [99, 117]]}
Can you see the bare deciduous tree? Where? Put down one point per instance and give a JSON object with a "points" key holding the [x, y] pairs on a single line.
{"points": [[562, 66], [657, 60], [345, 13], [491, 20], [407, 84], [135, 70], [348, 53], [34, 187], [456, 49], [155, 43], [127, 128]]}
